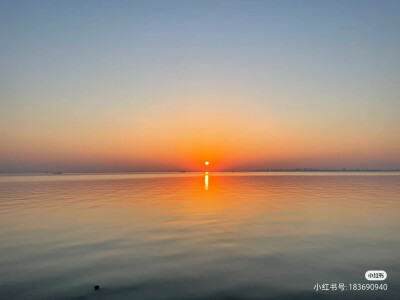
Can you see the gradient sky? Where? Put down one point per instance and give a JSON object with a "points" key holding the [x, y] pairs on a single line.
{"points": [[166, 85]]}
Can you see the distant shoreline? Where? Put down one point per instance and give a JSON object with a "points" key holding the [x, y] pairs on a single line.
{"points": [[306, 170]]}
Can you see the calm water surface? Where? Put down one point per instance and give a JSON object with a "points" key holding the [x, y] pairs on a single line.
{"points": [[197, 236]]}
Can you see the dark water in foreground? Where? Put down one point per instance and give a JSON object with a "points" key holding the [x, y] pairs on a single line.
{"points": [[191, 236]]}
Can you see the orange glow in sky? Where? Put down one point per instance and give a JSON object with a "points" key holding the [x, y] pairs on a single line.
{"points": [[170, 89]]}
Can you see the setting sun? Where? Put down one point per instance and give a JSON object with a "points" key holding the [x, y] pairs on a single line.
{"points": [[206, 163]]}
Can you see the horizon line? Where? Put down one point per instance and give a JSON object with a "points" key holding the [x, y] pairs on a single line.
{"points": [[299, 170]]}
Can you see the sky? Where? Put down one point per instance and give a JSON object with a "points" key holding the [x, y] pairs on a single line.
{"points": [[93, 86]]}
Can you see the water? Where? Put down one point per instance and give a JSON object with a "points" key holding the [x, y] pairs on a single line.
{"points": [[197, 236]]}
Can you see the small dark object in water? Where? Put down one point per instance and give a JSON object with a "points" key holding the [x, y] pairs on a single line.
{"points": [[96, 287]]}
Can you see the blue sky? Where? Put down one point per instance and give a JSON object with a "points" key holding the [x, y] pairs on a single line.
{"points": [[322, 72]]}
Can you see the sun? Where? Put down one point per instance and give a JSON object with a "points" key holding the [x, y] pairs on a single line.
{"points": [[206, 163]]}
